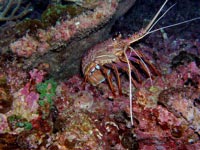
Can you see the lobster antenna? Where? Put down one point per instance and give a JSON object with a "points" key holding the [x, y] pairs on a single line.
{"points": [[144, 65], [130, 86], [159, 19], [146, 30], [149, 27], [173, 25], [154, 18], [130, 83]]}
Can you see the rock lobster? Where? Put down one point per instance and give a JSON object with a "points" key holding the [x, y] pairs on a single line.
{"points": [[112, 56]]}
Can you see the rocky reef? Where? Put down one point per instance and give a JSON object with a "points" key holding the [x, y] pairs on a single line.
{"points": [[37, 111]]}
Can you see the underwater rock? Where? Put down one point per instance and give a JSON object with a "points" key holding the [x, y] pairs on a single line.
{"points": [[180, 101]]}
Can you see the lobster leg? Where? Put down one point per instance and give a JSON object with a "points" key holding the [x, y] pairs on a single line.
{"points": [[144, 67], [137, 74], [118, 78], [145, 60], [133, 81], [84, 82], [153, 68], [108, 77], [125, 69]]}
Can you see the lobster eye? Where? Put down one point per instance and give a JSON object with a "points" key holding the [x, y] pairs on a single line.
{"points": [[97, 67]]}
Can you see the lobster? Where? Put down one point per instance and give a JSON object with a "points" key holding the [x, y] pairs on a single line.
{"points": [[114, 55]]}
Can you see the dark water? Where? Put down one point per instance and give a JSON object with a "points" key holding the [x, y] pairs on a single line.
{"points": [[143, 11]]}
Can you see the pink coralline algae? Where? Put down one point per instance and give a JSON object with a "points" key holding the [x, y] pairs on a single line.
{"points": [[31, 97], [24, 101], [25, 47], [37, 75]]}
